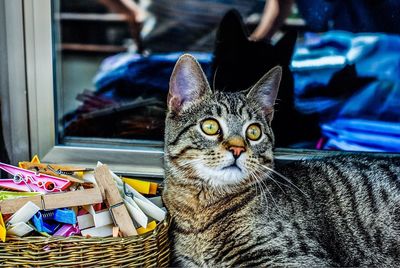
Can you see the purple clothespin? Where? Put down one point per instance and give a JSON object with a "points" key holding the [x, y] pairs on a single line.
{"points": [[28, 181], [67, 230]]}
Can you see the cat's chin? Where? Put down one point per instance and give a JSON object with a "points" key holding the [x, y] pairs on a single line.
{"points": [[229, 175]]}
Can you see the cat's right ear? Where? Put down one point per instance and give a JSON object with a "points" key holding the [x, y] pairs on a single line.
{"points": [[188, 83], [265, 91]]}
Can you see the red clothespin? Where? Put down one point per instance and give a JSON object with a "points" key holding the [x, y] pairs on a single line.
{"points": [[29, 181]]}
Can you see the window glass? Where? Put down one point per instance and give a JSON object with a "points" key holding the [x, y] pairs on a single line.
{"points": [[113, 59]]}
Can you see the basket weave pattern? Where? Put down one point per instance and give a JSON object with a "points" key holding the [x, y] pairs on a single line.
{"points": [[149, 250]]}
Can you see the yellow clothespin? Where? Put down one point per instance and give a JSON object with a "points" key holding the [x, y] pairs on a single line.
{"points": [[150, 227], [143, 187], [35, 160], [3, 230]]}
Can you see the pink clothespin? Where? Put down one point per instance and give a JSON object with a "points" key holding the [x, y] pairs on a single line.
{"points": [[67, 230], [29, 181]]}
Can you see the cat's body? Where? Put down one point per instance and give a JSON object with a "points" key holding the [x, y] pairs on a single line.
{"points": [[341, 219], [231, 208]]}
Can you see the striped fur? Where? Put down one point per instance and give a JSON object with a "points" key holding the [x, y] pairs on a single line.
{"points": [[339, 211]]}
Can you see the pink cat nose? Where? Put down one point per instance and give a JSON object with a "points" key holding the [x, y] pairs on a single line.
{"points": [[236, 150]]}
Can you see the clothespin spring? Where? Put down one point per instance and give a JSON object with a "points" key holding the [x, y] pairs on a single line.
{"points": [[126, 192], [18, 178], [111, 212]]}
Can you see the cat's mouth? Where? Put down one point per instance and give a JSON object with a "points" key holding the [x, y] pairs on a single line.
{"points": [[233, 166]]}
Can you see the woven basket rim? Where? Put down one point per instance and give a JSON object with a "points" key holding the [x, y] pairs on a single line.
{"points": [[139, 238]]}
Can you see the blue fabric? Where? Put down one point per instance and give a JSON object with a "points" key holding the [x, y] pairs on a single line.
{"points": [[362, 135], [128, 75], [368, 119]]}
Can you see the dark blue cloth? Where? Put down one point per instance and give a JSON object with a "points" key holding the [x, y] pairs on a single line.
{"points": [[351, 15]]}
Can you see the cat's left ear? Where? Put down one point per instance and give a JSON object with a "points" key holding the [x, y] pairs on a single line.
{"points": [[188, 83], [266, 89]]}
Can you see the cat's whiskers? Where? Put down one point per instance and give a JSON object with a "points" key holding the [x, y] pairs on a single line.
{"points": [[277, 183], [284, 177], [262, 193], [272, 197], [257, 169], [265, 186]]}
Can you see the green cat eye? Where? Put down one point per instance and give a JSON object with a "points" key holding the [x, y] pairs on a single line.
{"points": [[253, 132], [210, 126]]}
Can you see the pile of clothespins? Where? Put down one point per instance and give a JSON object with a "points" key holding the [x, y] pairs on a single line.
{"points": [[54, 200]]}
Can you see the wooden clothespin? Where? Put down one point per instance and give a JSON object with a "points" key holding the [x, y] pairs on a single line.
{"points": [[117, 207], [53, 201]]}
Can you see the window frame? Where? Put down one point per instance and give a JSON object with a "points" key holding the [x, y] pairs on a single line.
{"points": [[40, 117]]}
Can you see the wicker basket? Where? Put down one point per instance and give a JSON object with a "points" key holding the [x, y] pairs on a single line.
{"points": [[148, 250]]}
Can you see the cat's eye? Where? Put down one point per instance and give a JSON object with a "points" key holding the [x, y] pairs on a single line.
{"points": [[253, 132], [210, 127]]}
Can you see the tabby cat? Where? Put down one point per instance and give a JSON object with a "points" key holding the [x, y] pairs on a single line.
{"points": [[232, 206]]}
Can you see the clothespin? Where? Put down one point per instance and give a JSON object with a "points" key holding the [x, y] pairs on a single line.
{"points": [[67, 230], [54, 201], [143, 187], [65, 216], [85, 221], [150, 227], [17, 224], [97, 219], [3, 230], [97, 207], [135, 212], [115, 231], [103, 231], [43, 226], [35, 160], [65, 172], [5, 195], [24, 214], [19, 229], [117, 208], [144, 204], [29, 181]]}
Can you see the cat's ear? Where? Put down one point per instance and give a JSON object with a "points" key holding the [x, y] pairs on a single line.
{"points": [[285, 47], [188, 83], [266, 89], [231, 28]]}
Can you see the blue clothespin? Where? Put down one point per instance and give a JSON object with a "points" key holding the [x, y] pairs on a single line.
{"points": [[65, 215], [43, 226]]}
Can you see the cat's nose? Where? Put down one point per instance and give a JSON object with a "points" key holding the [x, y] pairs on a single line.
{"points": [[236, 151]]}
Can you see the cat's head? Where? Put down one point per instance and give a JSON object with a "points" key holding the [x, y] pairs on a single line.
{"points": [[218, 138]]}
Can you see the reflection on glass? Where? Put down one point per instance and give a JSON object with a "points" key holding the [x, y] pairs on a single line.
{"points": [[113, 81], [114, 59]]}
